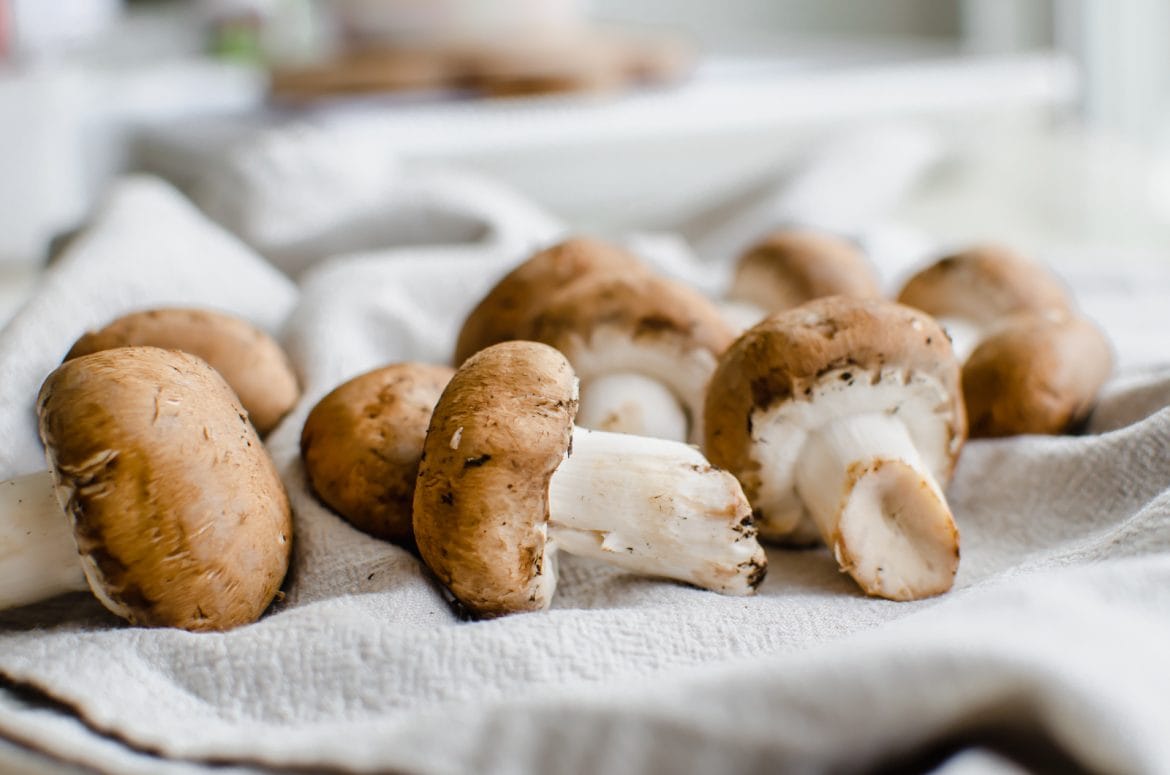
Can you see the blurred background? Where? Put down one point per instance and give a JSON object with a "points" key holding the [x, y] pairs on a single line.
{"points": [[1038, 122]]}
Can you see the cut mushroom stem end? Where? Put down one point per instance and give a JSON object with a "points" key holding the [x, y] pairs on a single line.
{"points": [[879, 508], [698, 530], [38, 555]]}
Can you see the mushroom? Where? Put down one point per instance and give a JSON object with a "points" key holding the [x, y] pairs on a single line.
{"points": [[532, 65], [362, 442], [160, 497], [507, 310], [974, 292], [507, 480], [847, 412], [792, 266], [1038, 374], [250, 360], [1043, 378], [643, 348]]}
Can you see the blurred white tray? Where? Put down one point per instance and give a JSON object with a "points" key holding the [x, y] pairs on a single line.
{"points": [[646, 158]]}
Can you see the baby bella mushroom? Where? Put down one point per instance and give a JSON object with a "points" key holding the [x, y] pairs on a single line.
{"points": [[248, 359], [643, 348], [1031, 363], [160, 497], [848, 412], [362, 442], [1039, 374], [792, 266], [507, 481], [975, 292], [507, 310]]}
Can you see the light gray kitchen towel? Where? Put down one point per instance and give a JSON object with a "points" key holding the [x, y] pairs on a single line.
{"points": [[1050, 652]]}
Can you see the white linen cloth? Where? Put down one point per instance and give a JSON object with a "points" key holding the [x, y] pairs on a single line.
{"points": [[299, 193], [1051, 648]]}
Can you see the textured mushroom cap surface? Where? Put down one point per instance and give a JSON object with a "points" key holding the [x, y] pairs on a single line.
{"points": [[786, 356], [250, 360], [362, 442], [507, 310], [481, 506], [180, 517], [789, 267], [983, 284], [1041, 374]]}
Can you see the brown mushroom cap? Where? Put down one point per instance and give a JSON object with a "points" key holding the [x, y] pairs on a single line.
{"points": [[362, 442], [536, 65], [656, 59], [1041, 374], [983, 285], [787, 356], [789, 267], [481, 503], [180, 517], [645, 325], [250, 360], [507, 310]]}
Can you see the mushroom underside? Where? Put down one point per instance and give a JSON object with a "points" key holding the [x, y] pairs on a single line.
{"points": [[862, 456], [647, 385]]}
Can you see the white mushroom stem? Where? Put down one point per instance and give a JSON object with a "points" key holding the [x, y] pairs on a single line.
{"points": [[632, 403], [741, 315], [657, 508], [965, 335], [878, 507], [38, 555]]}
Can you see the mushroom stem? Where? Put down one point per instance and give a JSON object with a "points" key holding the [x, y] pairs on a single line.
{"points": [[38, 555], [632, 403], [964, 333], [655, 507], [878, 507], [740, 315]]}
